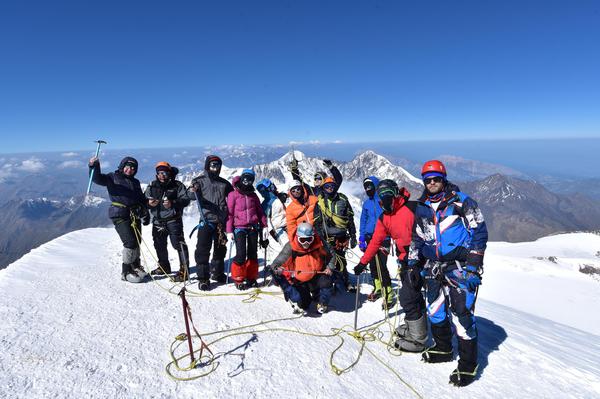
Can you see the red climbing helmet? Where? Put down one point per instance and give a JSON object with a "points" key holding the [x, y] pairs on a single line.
{"points": [[433, 167]]}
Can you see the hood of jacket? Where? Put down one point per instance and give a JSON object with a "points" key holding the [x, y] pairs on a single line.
{"points": [[126, 160]]}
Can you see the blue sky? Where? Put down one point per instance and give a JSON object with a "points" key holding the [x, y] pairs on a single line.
{"points": [[166, 74]]}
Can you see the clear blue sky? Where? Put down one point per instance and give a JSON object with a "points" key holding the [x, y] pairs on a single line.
{"points": [[168, 73]]}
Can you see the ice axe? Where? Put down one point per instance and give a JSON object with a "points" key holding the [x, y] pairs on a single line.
{"points": [[99, 142]]}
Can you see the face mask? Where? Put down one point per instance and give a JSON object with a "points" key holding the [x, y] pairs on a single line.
{"points": [[214, 167], [387, 204]]}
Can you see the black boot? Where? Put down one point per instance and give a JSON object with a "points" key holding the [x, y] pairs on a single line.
{"points": [[466, 371], [204, 285], [442, 350], [462, 378], [161, 270]]}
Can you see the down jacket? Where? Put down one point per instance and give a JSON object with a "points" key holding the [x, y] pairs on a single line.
{"points": [[244, 209]]}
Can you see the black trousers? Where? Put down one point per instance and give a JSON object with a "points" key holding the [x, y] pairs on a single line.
{"points": [[207, 240], [411, 299], [246, 245], [126, 233], [173, 230]]}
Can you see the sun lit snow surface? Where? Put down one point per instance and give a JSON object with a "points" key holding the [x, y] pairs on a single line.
{"points": [[72, 328]]}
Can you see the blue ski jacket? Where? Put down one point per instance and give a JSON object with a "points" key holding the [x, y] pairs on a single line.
{"points": [[371, 210], [451, 231]]}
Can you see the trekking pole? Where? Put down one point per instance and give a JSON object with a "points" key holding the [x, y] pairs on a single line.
{"points": [[228, 264], [265, 270], [99, 142], [356, 302], [185, 304]]}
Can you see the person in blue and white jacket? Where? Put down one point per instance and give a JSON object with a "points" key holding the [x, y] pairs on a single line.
{"points": [[447, 248]]}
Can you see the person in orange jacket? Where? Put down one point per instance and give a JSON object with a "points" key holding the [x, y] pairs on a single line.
{"points": [[303, 270], [301, 208]]}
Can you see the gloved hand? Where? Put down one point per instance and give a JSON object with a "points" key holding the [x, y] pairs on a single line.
{"points": [[352, 242], [362, 243], [278, 270], [359, 268], [264, 243], [328, 163], [230, 237], [146, 220], [471, 277]]}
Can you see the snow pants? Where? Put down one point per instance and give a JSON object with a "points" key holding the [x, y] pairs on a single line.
{"points": [[207, 239], [245, 262], [173, 229], [449, 301], [131, 249], [316, 289], [411, 299]]}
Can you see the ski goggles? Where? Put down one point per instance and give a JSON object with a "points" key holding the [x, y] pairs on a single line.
{"points": [[329, 187], [435, 179], [306, 240]]}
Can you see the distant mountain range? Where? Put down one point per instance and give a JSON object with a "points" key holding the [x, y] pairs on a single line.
{"points": [[516, 209]]}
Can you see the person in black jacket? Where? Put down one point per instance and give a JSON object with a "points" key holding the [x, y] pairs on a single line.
{"points": [[128, 208], [167, 198], [210, 192]]}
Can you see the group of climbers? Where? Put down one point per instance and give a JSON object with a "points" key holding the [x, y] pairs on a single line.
{"points": [[439, 240]]}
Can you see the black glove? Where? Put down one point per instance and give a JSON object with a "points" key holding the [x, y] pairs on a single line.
{"points": [[264, 243], [353, 242], [146, 220], [328, 163], [359, 268]]}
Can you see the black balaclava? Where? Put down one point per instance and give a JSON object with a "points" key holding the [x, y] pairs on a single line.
{"points": [[214, 171]]}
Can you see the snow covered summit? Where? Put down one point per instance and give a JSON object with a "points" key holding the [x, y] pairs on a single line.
{"points": [[72, 328]]}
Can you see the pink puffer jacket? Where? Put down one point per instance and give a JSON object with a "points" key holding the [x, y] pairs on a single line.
{"points": [[244, 209]]}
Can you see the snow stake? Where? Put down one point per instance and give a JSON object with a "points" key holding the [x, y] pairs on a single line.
{"points": [[186, 307], [99, 142]]}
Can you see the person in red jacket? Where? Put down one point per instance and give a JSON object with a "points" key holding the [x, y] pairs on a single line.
{"points": [[397, 221], [246, 225]]}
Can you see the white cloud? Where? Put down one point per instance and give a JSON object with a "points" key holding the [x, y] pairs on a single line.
{"points": [[69, 154], [71, 164], [31, 165]]}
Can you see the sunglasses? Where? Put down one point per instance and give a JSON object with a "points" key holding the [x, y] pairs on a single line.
{"points": [[318, 177], [306, 240], [162, 173], [130, 165], [329, 187], [296, 189], [436, 179]]}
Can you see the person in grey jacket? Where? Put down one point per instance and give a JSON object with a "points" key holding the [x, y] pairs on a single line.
{"points": [[210, 191], [167, 199]]}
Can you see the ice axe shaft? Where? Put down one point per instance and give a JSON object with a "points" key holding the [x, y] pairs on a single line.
{"points": [[99, 143], [187, 323]]}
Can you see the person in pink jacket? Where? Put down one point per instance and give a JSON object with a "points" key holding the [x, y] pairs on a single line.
{"points": [[246, 225]]}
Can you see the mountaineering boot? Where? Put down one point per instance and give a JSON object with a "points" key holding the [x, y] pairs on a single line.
{"points": [[442, 350], [129, 274], [376, 293], [389, 299], [321, 308], [137, 267], [412, 335], [240, 285], [161, 270], [181, 275], [203, 285], [250, 284], [462, 378]]}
